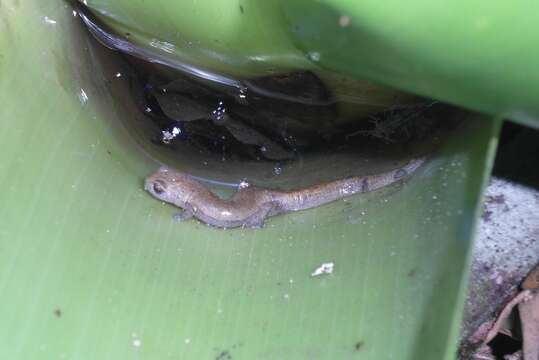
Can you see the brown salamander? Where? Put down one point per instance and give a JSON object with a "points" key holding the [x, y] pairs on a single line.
{"points": [[250, 206]]}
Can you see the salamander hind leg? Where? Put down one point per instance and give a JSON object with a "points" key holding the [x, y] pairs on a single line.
{"points": [[183, 215], [256, 221]]}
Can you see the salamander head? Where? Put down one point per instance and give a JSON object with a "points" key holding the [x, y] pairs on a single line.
{"points": [[166, 185]]}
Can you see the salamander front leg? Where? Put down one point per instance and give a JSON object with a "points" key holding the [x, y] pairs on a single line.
{"points": [[183, 215]]}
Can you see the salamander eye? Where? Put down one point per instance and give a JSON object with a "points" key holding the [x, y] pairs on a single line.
{"points": [[159, 187]]}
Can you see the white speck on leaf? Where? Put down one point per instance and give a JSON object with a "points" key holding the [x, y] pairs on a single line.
{"points": [[344, 21], [314, 56], [325, 268], [48, 20]]}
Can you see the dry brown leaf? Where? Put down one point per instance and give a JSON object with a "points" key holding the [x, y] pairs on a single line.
{"points": [[529, 317]]}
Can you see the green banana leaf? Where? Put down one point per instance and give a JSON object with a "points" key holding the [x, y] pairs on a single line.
{"points": [[94, 268], [479, 55]]}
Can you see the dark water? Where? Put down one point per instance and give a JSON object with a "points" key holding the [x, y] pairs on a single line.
{"points": [[280, 126]]}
